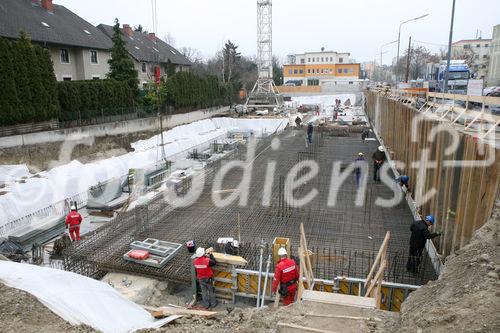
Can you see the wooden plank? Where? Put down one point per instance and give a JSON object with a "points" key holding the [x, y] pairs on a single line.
{"points": [[229, 259], [306, 255], [342, 317], [379, 275], [285, 327], [339, 299], [165, 311], [381, 252]]}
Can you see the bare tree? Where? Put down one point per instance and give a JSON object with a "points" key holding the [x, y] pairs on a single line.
{"points": [[193, 55], [169, 39]]}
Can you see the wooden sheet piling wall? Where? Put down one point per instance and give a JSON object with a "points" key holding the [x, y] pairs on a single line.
{"points": [[464, 195]]}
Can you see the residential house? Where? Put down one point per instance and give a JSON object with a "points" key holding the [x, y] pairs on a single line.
{"points": [[315, 68], [148, 52], [79, 51]]}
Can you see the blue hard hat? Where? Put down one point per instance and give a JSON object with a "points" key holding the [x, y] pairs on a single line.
{"points": [[430, 218], [405, 179]]}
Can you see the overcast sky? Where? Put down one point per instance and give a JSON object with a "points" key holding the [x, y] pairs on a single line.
{"points": [[356, 26]]}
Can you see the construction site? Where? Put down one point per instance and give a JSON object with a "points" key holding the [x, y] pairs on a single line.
{"points": [[292, 175]]}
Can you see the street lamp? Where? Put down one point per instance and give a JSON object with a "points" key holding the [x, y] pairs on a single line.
{"points": [[394, 41], [399, 38]]}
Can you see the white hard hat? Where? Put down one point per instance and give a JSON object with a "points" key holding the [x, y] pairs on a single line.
{"points": [[282, 251], [200, 252], [380, 148], [73, 207], [236, 243]]}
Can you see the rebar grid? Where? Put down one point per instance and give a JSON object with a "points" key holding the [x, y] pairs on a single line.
{"points": [[344, 238]]}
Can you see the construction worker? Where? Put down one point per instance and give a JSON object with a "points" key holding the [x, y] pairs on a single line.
{"points": [[203, 265], [403, 181], [73, 221], [310, 129], [378, 159], [298, 121], [359, 161], [232, 248], [419, 235], [365, 134], [286, 276]]}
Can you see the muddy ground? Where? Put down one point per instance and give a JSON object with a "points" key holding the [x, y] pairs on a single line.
{"points": [[48, 155], [465, 298]]}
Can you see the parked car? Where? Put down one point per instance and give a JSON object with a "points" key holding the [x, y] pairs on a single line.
{"points": [[491, 91]]}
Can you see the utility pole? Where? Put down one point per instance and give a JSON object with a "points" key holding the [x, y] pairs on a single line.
{"points": [[408, 57], [445, 88], [399, 38]]}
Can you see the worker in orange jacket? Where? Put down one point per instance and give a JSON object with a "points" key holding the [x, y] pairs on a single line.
{"points": [[73, 221], [286, 276]]}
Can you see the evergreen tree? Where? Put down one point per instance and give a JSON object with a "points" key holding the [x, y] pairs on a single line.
{"points": [[8, 91], [49, 82], [121, 66], [170, 68]]}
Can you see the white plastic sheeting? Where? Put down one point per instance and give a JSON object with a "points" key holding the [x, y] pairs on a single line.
{"points": [[78, 299], [72, 180], [9, 173]]}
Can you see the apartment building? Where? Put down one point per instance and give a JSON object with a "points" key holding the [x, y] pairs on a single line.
{"points": [[493, 78], [317, 68], [476, 52]]}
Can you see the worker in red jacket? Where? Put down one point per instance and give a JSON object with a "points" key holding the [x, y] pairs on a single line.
{"points": [[286, 276], [203, 265], [73, 221]]}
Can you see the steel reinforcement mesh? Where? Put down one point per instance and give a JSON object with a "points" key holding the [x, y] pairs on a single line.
{"points": [[344, 238]]}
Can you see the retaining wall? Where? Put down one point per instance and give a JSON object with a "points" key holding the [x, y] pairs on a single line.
{"points": [[115, 128], [464, 181]]}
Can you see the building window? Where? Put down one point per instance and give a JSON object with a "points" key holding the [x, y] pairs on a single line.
{"points": [[476, 56], [313, 59], [322, 59], [301, 72], [351, 70], [317, 59], [295, 71], [96, 77], [308, 59], [290, 71], [345, 70], [350, 82], [478, 45], [483, 66], [302, 61], [331, 58], [308, 71], [485, 56], [143, 67], [66, 78], [341, 60], [93, 56], [339, 70], [331, 71], [64, 56], [321, 70], [466, 46], [486, 45]]}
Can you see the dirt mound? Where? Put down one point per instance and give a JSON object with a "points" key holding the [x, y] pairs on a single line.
{"points": [[20, 312], [238, 320], [465, 298]]}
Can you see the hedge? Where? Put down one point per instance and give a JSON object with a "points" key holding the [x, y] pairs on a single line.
{"points": [[185, 89], [93, 98], [28, 90]]}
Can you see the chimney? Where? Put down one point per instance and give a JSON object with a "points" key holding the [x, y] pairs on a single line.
{"points": [[47, 4], [128, 30], [152, 36]]}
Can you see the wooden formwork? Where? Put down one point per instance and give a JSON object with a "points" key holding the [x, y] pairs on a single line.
{"points": [[464, 192]]}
